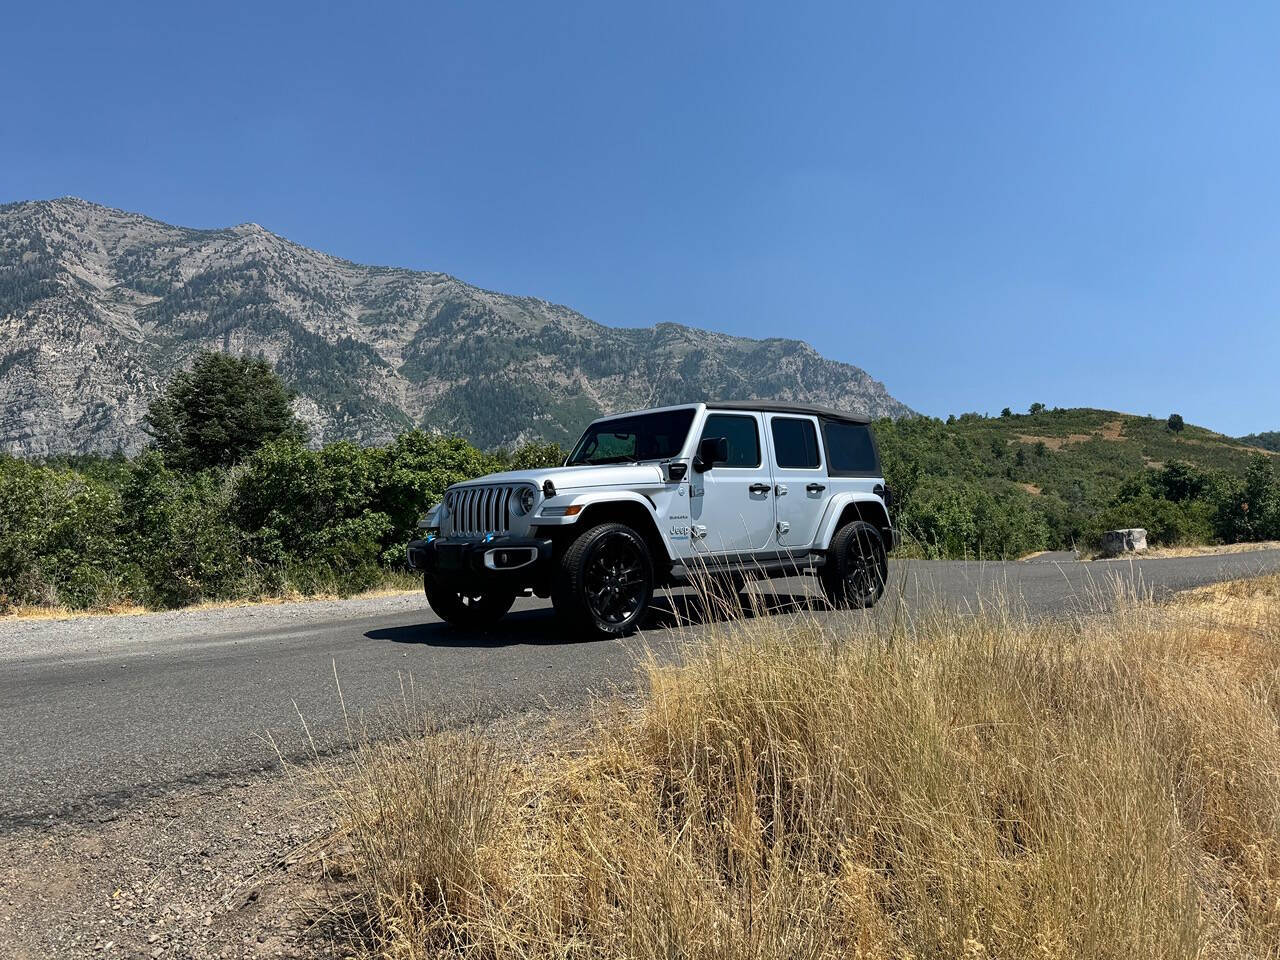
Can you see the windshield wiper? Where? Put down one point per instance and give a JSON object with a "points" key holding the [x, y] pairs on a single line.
{"points": [[606, 461]]}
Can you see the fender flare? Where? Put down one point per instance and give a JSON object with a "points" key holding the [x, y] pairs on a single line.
{"points": [[865, 503], [605, 498]]}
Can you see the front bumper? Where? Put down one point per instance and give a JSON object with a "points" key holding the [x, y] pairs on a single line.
{"points": [[517, 561]]}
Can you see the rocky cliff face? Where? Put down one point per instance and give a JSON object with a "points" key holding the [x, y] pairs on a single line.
{"points": [[99, 307]]}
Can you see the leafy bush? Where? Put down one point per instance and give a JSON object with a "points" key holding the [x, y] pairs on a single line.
{"points": [[179, 542], [93, 531], [1249, 508], [59, 538]]}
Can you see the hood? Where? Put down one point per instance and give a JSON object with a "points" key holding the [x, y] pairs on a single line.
{"points": [[573, 478]]}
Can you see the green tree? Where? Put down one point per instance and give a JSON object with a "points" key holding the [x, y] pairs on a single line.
{"points": [[1262, 494], [1037, 408], [1006, 413], [531, 455], [1176, 422], [1179, 482], [220, 411]]}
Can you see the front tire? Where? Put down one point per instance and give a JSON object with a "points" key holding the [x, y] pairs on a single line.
{"points": [[467, 609], [856, 568], [605, 580]]}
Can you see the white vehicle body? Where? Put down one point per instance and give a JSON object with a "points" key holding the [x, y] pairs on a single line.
{"points": [[792, 476]]}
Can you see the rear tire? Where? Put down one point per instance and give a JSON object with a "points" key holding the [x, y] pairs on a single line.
{"points": [[604, 581], [856, 568], [467, 609]]}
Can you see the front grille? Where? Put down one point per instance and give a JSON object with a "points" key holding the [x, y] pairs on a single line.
{"points": [[480, 510]]}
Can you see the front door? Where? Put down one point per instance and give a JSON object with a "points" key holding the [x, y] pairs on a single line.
{"points": [[731, 505], [799, 478]]}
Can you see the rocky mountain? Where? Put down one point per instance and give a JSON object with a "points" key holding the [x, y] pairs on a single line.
{"points": [[99, 307]]}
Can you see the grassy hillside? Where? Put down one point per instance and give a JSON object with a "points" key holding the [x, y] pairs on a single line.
{"points": [[1268, 440], [1004, 485]]}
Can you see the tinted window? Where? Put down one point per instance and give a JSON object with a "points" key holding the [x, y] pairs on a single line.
{"points": [[795, 443], [743, 437], [850, 449], [649, 436]]}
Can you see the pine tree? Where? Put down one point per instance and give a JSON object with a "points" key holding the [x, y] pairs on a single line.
{"points": [[220, 411]]}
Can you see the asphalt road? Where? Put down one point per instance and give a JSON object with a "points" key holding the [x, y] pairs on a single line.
{"points": [[97, 713]]}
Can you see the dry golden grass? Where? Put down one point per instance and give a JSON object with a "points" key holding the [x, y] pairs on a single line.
{"points": [[1204, 550], [55, 612], [892, 786]]}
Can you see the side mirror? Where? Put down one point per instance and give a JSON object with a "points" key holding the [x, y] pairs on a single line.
{"points": [[711, 450]]}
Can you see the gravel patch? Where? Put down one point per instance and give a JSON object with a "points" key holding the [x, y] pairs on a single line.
{"points": [[225, 872], [242, 869], [33, 638]]}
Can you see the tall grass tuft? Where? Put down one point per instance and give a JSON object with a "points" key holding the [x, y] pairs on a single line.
{"points": [[837, 785]]}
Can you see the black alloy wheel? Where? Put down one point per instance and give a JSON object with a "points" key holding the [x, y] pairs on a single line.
{"points": [[605, 580], [857, 566], [614, 582]]}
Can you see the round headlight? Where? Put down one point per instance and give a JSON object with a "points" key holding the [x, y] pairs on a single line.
{"points": [[522, 503]]}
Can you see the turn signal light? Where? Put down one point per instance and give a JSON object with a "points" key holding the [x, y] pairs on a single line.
{"points": [[570, 511]]}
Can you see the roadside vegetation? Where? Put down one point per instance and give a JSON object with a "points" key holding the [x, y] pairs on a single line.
{"points": [[229, 502], [875, 786], [1006, 486]]}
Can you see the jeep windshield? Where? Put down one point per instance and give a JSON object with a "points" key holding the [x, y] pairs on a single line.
{"points": [[645, 436]]}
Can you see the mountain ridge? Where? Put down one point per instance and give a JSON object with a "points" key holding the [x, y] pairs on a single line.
{"points": [[98, 307]]}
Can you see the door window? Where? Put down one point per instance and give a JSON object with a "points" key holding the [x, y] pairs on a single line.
{"points": [[795, 444], [743, 437]]}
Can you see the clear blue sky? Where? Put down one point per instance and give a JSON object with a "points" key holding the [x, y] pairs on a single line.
{"points": [[981, 204]]}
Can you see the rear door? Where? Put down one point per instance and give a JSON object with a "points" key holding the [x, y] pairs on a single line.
{"points": [[731, 505], [799, 478]]}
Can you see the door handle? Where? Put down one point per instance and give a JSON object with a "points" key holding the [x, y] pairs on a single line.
{"points": [[816, 487], [759, 488]]}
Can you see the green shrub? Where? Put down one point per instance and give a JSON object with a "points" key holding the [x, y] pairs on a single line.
{"points": [[179, 541], [1248, 508], [313, 508], [54, 525]]}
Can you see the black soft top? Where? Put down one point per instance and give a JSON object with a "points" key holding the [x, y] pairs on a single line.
{"points": [[774, 406]]}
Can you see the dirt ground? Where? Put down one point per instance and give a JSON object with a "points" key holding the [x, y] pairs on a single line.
{"points": [[239, 869], [223, 870]]}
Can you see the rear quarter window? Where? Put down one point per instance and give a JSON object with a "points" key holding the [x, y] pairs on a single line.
{"points": [[851, 450]]}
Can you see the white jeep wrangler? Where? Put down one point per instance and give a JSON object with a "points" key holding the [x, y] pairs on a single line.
{"points": [[656, 498]]}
